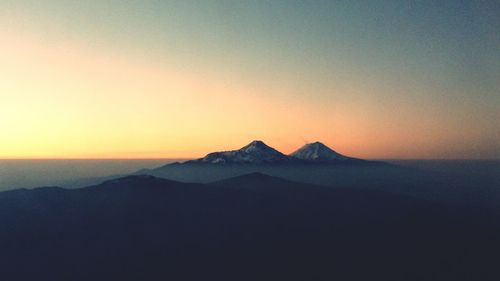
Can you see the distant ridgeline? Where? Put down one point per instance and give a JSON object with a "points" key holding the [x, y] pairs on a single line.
{"points": [[257, 152], [316, 163], [259, 157]]}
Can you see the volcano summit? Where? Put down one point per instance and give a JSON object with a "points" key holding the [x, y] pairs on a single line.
{"points": [[257, 152]]}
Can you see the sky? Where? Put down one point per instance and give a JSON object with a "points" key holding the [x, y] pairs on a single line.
{"points": [[373, 79]]}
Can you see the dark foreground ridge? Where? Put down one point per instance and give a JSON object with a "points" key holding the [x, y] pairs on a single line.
{"points": [[252, 227]]}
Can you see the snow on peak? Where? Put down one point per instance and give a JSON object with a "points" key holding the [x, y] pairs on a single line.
{"points": [[258, 146], [318, 152], [256, 152]]}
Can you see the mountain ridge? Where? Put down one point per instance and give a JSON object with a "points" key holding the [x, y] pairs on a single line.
{"points": [[257, 152]]}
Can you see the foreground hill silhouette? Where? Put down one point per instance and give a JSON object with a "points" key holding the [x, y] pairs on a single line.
{"points": [[316, 163], [251, 227]]}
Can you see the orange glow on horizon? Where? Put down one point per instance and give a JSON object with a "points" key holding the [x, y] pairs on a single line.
{"points": [[63, 100]]}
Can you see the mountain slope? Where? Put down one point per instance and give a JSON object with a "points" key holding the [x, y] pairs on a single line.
{"points": [[318, 152], [253, 227], [256, 152], [260, 182]]}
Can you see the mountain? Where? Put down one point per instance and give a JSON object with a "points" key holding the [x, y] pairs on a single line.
{"points": [[318, 152], [252, 227], [255, 179], [314, 163], [260, 182], [256, 152]]}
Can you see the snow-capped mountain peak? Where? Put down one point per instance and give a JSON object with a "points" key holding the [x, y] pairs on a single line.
{"points": [[318, 152], [258, 146], [256, 152]]}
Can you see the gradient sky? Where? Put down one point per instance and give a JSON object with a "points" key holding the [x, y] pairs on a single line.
{"points": [[152, 79]]}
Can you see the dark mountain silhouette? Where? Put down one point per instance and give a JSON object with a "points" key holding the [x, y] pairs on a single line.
{"points": [[261, 182], [252, 227], [450, 190], [315, 163]]}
